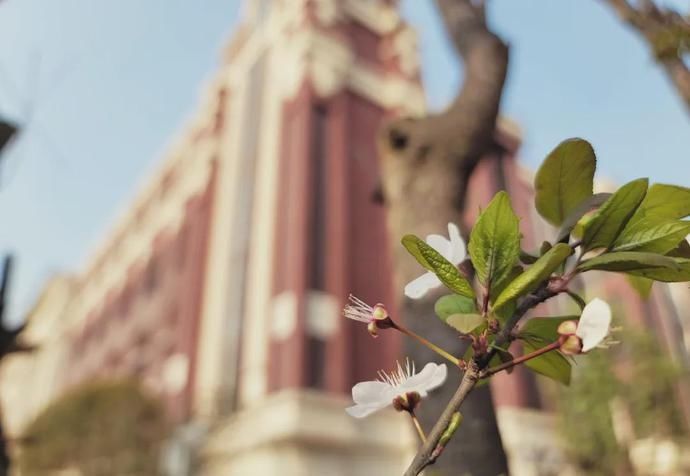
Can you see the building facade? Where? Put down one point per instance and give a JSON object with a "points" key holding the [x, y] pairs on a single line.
{"points": [[221, 284]]}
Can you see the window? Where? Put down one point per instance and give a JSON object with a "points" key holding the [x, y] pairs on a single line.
{"points": [[124, 303], [316, 360], [182, 239], [151, 277], [319, 186]]}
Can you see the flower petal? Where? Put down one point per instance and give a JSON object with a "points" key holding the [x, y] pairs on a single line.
{"points": [[458, 251], [418, 287], [594, 324], [430, 377], [369, 392], [440, 244], [361, 411]]}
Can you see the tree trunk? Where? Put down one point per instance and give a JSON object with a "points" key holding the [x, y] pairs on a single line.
{"points": [[426, 164]]}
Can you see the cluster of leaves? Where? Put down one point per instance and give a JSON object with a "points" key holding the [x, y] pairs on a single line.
{"points": [[646, 393], [638, 231], [98, 429]]}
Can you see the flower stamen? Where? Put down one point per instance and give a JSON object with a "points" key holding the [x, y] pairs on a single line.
{"points": [[358, 310], [398, 376]]}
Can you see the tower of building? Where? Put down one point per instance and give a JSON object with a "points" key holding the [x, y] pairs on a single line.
{"points": [[305, 86]]}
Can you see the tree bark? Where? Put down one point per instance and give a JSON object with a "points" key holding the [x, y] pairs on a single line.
{"points": [[668, 35], [426, 164]]}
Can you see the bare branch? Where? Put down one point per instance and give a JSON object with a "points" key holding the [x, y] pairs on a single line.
{"points": [[666, 32], [426, 456]]}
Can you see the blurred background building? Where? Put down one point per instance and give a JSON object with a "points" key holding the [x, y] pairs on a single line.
{"points": [[220, 286]]}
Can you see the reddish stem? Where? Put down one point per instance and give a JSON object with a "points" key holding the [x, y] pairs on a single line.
{"points": [[521, 359]]}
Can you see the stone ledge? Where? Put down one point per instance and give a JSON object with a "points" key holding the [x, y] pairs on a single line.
{"points": [[303, 432]]}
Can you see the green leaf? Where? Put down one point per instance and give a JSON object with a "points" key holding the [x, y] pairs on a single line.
{"points": [[551, 364], [643, 286], [411, 244], [527, 258], [510, 277], [433, 261], [565, 179], [506, 311], [495, 241], [608, 222], [545, 246], [588, 205], [646, 265], [451, 304], [627, 261], [667, 275], [465, 323], [543, 330], [681, 251], [664, 202], [534, 275], [652, 236]]}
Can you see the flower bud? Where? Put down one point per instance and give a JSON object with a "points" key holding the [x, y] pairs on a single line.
{"points": [[480, 344], [579, 228], [571, 345], [494, 326], [567, 328], [452, 427]]}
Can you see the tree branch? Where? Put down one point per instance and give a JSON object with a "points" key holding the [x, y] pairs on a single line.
{"points": [[427, 454], [668, 35], [488, 372]]}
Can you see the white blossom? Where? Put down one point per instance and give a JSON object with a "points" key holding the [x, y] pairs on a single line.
{"points": [[592, 330], [372, 396], [594, 325], [452, 249]]}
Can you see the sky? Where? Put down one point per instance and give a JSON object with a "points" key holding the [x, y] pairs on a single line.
{"points": [[101, 88]]}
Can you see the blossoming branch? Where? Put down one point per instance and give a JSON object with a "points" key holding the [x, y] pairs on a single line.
{"points": [[638, 231]]}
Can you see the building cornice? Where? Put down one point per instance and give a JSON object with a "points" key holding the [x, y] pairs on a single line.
{"points": [[158, 207], [313, 52], [314, 418], [375, 15]]}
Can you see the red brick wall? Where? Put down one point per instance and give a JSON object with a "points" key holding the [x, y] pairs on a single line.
{"points": [[154, 314]]}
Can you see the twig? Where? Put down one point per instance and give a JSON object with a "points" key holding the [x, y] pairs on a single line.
{"points": [[446, 355], [427, 454], [418, 426], [518, 360]]}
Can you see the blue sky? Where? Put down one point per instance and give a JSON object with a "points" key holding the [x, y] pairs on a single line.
{"points": [[102, 87]]}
